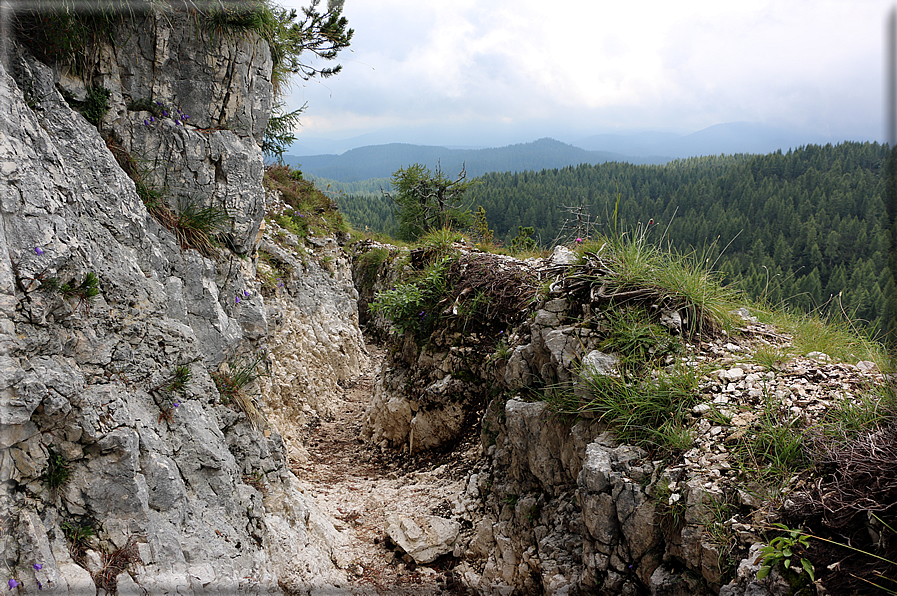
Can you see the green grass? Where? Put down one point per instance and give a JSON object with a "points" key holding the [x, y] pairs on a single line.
{"points": [[629, 269], [196, 225], [232, 382], [831, 335], [311, 212], [651, 411], [637, 339]]}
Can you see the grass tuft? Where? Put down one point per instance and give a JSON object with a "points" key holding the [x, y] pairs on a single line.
{"points": [[232, 382]]}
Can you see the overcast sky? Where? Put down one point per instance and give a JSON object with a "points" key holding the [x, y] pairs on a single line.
{"points": [[517, 70]]}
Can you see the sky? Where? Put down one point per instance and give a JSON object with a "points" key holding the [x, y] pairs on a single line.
{"points": [[493, 72]]}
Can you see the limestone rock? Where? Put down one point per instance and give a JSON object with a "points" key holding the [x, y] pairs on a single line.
{"points": [[424, 537]]}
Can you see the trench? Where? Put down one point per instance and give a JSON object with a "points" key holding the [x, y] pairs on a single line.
{"points": [[357, 483]]}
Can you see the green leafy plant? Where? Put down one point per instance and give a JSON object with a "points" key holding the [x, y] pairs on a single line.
{"points": [[174, 389], [78, 536], [425, 201], [412, 306], [783, 550]]}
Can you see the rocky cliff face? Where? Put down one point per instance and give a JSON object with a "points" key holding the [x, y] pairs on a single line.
{"points": [[116, 445], [560, 506]]}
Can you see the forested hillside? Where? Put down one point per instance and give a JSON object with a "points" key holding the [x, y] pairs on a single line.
{"points": [[800, 227]]}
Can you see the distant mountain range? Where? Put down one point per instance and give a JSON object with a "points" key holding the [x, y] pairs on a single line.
{"points": [[380, 161]]}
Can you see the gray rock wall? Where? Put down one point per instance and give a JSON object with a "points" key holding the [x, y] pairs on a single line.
{"points": [[206, 500]]}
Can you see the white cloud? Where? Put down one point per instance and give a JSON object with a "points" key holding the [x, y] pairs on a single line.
{"points": [[600, 65]]}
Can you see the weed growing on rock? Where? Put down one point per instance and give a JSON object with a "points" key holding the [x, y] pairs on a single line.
{"points": [[58, 471], [413, 306], [232, 382], [115, 563], [78, 537], [85, 291], [651, 411], [312, 213], [196, 225], [636, 339], [784, 551], [174, 389]]}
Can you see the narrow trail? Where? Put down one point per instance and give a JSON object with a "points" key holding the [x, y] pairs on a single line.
{"points": [[357, 484]]}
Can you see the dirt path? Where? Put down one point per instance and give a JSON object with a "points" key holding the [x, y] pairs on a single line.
{"points": [[357, 484]]}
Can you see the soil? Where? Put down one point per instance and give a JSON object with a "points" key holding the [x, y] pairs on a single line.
{"points": [[357, 483]]}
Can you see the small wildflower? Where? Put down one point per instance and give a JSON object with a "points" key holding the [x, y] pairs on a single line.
{"points": [[13, 584], [40, 586], [158, 103], [186, 116], [237, 300], [37, 566], [246, 293], [38, 250], [152, 118], [579, 239], [146, 122], [177, 122], [176, 404], [165, 113]]}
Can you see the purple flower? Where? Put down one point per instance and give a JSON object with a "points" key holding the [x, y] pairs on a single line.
{"points": [[246, 293], [579, 239], [176, 404], [158, 103], [38, 250], [37, 566], [186, 116], [237, 300], [165, 113], [13, 584], [146, 123], [40, 586], [177, 122], [152, 118]]}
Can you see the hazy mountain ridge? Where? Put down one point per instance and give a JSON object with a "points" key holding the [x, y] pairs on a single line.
{"points": [[651, 147], [380, 161]]}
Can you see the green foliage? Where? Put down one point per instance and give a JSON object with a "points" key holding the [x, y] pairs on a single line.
{"points": [[279, 133], [232, 382], [195, 225], [523, 242], [412, 306], [312, 212], [632, 269], [651, 411], [58, 470], [78, 535], [177, 383], [85, 291], [636, 339], [426, 201], [777, 444], [784, 550], [439, 242], [481, 232], [778, 218], [95, 104]]}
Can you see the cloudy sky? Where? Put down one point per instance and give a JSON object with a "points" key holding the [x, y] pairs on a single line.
{"points": [[490, 72]]}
